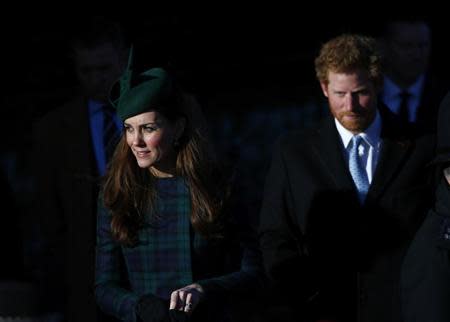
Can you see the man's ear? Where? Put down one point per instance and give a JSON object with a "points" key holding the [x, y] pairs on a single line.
{"points": [[324, 87]]}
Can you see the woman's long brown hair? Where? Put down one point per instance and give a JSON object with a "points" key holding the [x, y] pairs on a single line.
{"points": [[129, 191]]}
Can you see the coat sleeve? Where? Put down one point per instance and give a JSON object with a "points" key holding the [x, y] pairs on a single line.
{"points": [[50, 227], [110, 296], [442, 210], [285, 253], [243, 257], [248, 278], [425, 279]]}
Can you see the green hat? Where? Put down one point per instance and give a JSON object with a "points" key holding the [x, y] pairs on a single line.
{"points": [[133, 95]]}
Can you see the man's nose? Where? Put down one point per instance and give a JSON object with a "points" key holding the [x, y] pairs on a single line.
{"points": [[351, 101]]}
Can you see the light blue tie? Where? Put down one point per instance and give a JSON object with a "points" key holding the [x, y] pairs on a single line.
{"points": [[357, 170]]}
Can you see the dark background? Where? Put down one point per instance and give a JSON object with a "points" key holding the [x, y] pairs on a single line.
{"points": [[235, 61], [215, 53]]}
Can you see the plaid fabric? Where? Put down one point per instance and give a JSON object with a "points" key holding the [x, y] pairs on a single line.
{"points": [[158, 264], [162, 261]]}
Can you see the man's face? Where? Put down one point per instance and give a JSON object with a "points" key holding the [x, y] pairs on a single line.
{"points": [[352, 98], [408, 50], [98, 68]]}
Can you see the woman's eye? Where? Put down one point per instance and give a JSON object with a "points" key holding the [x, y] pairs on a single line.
{"points": [[149, 129]]}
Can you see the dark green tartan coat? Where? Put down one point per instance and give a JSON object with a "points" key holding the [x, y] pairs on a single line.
{"points": [[168, 256]]}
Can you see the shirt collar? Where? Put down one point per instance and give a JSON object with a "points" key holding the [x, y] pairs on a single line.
{"points": [[371, 135]]}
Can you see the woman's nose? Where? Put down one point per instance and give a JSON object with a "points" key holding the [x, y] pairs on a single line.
{"points": [[137, 138]]}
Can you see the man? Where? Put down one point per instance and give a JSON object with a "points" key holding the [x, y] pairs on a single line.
{"points": [[73, 144], [409, 89], [342, 200], [426, 268]]}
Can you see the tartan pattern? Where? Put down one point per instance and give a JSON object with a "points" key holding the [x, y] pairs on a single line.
{"points": [[161, 262], [158, 264]]}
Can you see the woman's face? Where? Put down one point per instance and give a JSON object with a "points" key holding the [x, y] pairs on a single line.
{"points": [[151, 138]]}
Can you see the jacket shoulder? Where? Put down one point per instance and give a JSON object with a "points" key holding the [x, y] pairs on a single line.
{"points": [[296, 139], [54, 119]]}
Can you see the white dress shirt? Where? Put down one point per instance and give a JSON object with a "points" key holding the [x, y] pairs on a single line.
{"points": [[369, 149]]}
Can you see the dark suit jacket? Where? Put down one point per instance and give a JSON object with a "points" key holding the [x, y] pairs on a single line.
{"points": [[434, 91], [426, 268], [336, 258], [10, 232], [66, 196], [429, 104]]}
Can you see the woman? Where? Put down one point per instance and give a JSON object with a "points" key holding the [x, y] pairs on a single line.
{"points": [[163, 213]]}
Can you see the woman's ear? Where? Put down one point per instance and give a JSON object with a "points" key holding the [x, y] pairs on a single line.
{"points": [[180, 126]]}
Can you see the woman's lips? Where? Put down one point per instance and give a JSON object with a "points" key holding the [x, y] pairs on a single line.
{"points": [[142, 154]]}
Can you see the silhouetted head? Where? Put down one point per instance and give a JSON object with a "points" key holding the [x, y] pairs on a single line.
{"points": [[406, 47], [99, 55]]}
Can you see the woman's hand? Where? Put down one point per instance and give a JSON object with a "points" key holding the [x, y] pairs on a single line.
{"points": [[447, 174], [186, 298]]}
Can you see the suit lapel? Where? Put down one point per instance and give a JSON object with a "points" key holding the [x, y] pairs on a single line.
{"points": [[80, 158], [394, 149], [81, 188], [79, 143], [327, 146]]}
